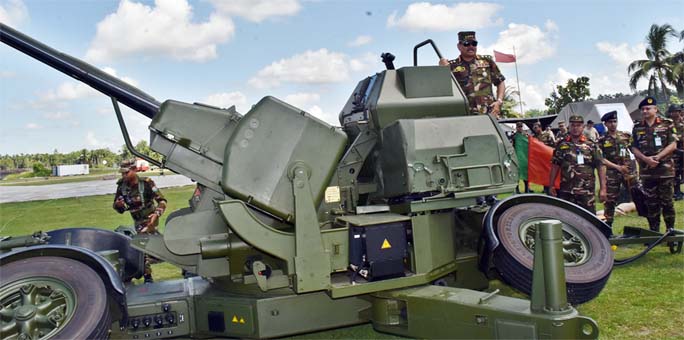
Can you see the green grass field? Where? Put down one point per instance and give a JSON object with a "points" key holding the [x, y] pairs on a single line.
{"points": [[643, 300]]}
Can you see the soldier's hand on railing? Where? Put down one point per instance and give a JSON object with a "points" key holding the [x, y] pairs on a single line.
{"points": [[444, 62]]}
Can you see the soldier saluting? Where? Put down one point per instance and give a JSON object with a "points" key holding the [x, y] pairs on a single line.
{"points": [[614, 146], [576, 157], [653, 141], [476, 74], [138, 196]]}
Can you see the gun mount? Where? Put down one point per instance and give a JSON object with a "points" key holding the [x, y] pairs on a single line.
{"points": [[374, 221]]}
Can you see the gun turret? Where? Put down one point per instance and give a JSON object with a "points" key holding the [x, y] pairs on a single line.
{"points": [[81, 71]]}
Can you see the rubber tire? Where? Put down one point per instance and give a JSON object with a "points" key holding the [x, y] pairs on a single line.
{"points": [[514, 261], [91, 318]]}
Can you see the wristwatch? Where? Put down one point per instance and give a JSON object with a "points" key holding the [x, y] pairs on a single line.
{"points": [[499, 101]]}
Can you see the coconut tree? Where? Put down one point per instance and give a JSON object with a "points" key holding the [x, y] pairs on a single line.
{"points": [[676, 74], [655, 68]]}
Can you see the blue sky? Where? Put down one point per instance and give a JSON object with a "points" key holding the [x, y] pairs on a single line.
{"points": [[309, 53]]}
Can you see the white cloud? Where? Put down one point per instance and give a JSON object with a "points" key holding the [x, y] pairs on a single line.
{"points": [[622, 53], [311, 67], [33, 126], [13, 13], [91, 140], [72, 90], [302, 99], [163, 30], [364, 62], [57, 115], [226, 100], [532, 95], [425, 16], [7, 74], [361, 40], [257, 10], [532, 44]]}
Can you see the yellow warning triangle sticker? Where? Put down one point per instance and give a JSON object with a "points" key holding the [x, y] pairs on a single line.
{"points": [[235, 319], [242, 320], [386, 245]]}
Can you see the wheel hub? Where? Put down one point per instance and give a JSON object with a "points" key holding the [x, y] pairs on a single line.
{"points": [[575, 247], [24, 313], [34, 308]]}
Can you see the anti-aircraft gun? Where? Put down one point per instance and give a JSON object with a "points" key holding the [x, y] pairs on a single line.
{"points": [[297, 226]]}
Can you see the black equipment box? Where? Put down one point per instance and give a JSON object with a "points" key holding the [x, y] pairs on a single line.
{"points": [[377, 245]]}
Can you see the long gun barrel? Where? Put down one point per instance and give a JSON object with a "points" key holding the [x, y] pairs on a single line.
{"points": [[81, 71]]}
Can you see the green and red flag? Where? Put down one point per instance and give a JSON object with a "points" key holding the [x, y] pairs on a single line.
{"points": [[534, 160]]}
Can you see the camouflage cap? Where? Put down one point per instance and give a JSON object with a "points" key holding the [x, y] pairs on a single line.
{"points": [[537, 123], [648, 101], [612, 115], [519, 124], [466, 35], [126, 165], [674, 107], [576, 119]]}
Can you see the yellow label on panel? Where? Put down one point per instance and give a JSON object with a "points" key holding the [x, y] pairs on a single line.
{"points": [[386, 245], [242, 320], [332, 194], [235, 319]]}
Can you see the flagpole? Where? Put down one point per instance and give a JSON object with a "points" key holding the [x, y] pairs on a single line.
{"points": [[517, 78]]}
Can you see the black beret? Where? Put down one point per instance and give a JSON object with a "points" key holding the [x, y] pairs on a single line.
{"points": [[648, 101], [590, 121], [467, 35], [609, 116]]}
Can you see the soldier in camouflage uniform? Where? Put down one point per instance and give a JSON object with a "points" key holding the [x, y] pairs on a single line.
{"points": [[677, 115], [562, 132], [138, 196], [614, 147], [544, 136], [575, 158], [476, 74], [653, 141]]}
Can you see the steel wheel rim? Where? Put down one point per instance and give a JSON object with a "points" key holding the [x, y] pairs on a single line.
{"points": [[576, 249], [35, 308]]}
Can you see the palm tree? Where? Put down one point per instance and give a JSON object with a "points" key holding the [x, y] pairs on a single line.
{"points": [[676, 74], [510, 103], [656, 66]]}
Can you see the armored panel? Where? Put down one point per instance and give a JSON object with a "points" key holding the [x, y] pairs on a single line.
{"points": [[267, 142], [443, 155], [200, 128], [417, 92]]}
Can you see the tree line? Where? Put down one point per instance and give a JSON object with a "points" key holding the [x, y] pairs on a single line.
{"points": [[97, 158]]}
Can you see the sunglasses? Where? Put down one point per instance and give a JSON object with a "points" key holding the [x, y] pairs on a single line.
{"points": [[472, 43]]}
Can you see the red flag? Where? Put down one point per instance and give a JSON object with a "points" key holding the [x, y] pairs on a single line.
{"points": [[539, 163], [503, 57]]}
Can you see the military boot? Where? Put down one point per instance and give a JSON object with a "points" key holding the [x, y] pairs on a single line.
{"points": [[148, 278], [654, 225]]}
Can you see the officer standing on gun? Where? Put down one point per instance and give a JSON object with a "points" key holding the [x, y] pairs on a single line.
{"points": [[653, 141], [138, 196], [614, 146], [476, 74]]}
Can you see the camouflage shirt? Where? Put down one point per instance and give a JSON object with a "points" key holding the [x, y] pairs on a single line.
{"points": [[615, 149], [547, 138], [560, 135], [577, 162], [652, 139], [476, 78], [140, 199]]}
